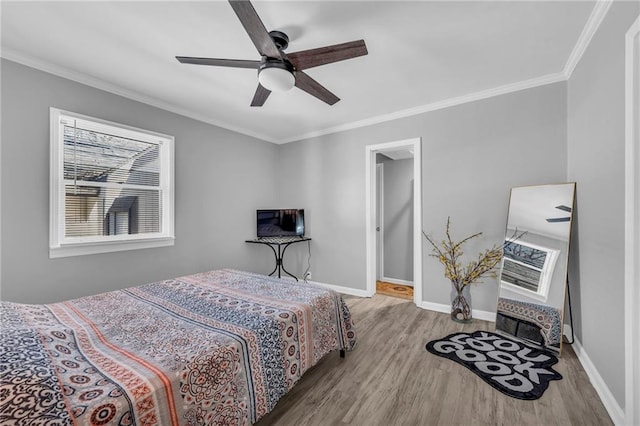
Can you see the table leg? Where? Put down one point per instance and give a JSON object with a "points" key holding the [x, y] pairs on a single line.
{"points": [[282, 264], [279, 261], [276, 256]]}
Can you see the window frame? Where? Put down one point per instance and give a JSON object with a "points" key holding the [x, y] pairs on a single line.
{"points": [[546, 273], [61, 245]]}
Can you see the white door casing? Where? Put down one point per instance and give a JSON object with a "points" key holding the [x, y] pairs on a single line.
{"points": [[413, 145], [632, 221]]}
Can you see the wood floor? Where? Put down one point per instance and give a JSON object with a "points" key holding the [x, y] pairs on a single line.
{"points": [[395, 290], [390, 379]]}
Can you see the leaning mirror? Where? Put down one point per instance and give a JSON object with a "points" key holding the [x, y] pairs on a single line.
{"points": [[533, 275]]}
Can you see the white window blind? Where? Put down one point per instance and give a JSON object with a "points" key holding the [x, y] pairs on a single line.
{"points": [[111, 186], [528, 269]]}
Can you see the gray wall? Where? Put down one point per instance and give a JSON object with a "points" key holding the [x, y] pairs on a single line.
{"points": [[472, 155], [221, 178], [398, 219], [596, 163]]}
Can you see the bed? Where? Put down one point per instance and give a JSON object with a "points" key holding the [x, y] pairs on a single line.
{"points": [[219, 347]]}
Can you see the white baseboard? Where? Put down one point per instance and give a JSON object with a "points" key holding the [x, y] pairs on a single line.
{"points": [[344, 290], [610, 404], [397, 281], [484, 315], [445, 308]]}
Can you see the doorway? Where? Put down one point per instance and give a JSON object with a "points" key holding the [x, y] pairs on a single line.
{"points": [[394, 210], [379, 219], [412, 146]]}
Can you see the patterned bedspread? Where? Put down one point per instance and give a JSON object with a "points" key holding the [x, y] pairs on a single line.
{"points": [[214, 348], [547, 318]]}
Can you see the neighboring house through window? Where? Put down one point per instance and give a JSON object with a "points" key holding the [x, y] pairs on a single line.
{"points": [[111, 186]]}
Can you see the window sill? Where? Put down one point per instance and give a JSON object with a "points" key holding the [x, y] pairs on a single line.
{"points": [[524, 292], [108, 247]]}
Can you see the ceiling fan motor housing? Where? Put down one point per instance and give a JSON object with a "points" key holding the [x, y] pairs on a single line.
{"points": [[280, 39], [275, 63]]}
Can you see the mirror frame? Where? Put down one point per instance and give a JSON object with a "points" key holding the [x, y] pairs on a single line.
{"points": [[560, 307]]}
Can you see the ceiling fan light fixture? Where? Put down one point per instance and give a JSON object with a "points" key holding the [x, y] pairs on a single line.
{"points": [[276, 77]]}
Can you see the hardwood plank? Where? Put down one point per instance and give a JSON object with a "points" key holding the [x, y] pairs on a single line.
{"points": [[395, 290], [390, 379]]}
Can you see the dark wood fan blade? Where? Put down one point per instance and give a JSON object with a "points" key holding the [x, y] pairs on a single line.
{"points": [[255, 28], [235, 63], [325, 55], [558, 219], [312, 87], [261, 95]]}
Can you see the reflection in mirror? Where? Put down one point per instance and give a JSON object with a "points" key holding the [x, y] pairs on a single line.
{"points": [[533, 275]]}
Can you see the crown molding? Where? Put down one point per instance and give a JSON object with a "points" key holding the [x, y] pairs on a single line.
{"points": [[100, 84], [446, 103], [596, 17], [598, 13]]}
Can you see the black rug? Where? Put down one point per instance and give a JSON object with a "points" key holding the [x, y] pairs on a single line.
{"points": [[512, 367]]}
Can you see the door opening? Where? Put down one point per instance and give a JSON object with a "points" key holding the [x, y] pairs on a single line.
{"points": [[372, 255], [395, 218], [379, 220]]}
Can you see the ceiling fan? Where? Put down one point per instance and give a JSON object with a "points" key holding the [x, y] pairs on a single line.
{"points": [[561, 219], [277, 70]]}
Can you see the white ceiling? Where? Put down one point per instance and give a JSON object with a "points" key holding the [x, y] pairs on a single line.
{"points": [[421, 53], [397, 154]]}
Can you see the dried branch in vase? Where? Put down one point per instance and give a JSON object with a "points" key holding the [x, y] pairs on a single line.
{"points": [[449, 252]]}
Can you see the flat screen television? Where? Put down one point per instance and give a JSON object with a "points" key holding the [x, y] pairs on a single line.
{"points": [[280, 223]]}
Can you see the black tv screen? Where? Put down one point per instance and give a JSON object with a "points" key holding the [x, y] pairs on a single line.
{"points": [[280, 223]]}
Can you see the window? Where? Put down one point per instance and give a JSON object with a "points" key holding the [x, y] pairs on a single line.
{"points": [[111, 186], [527, 269]]}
